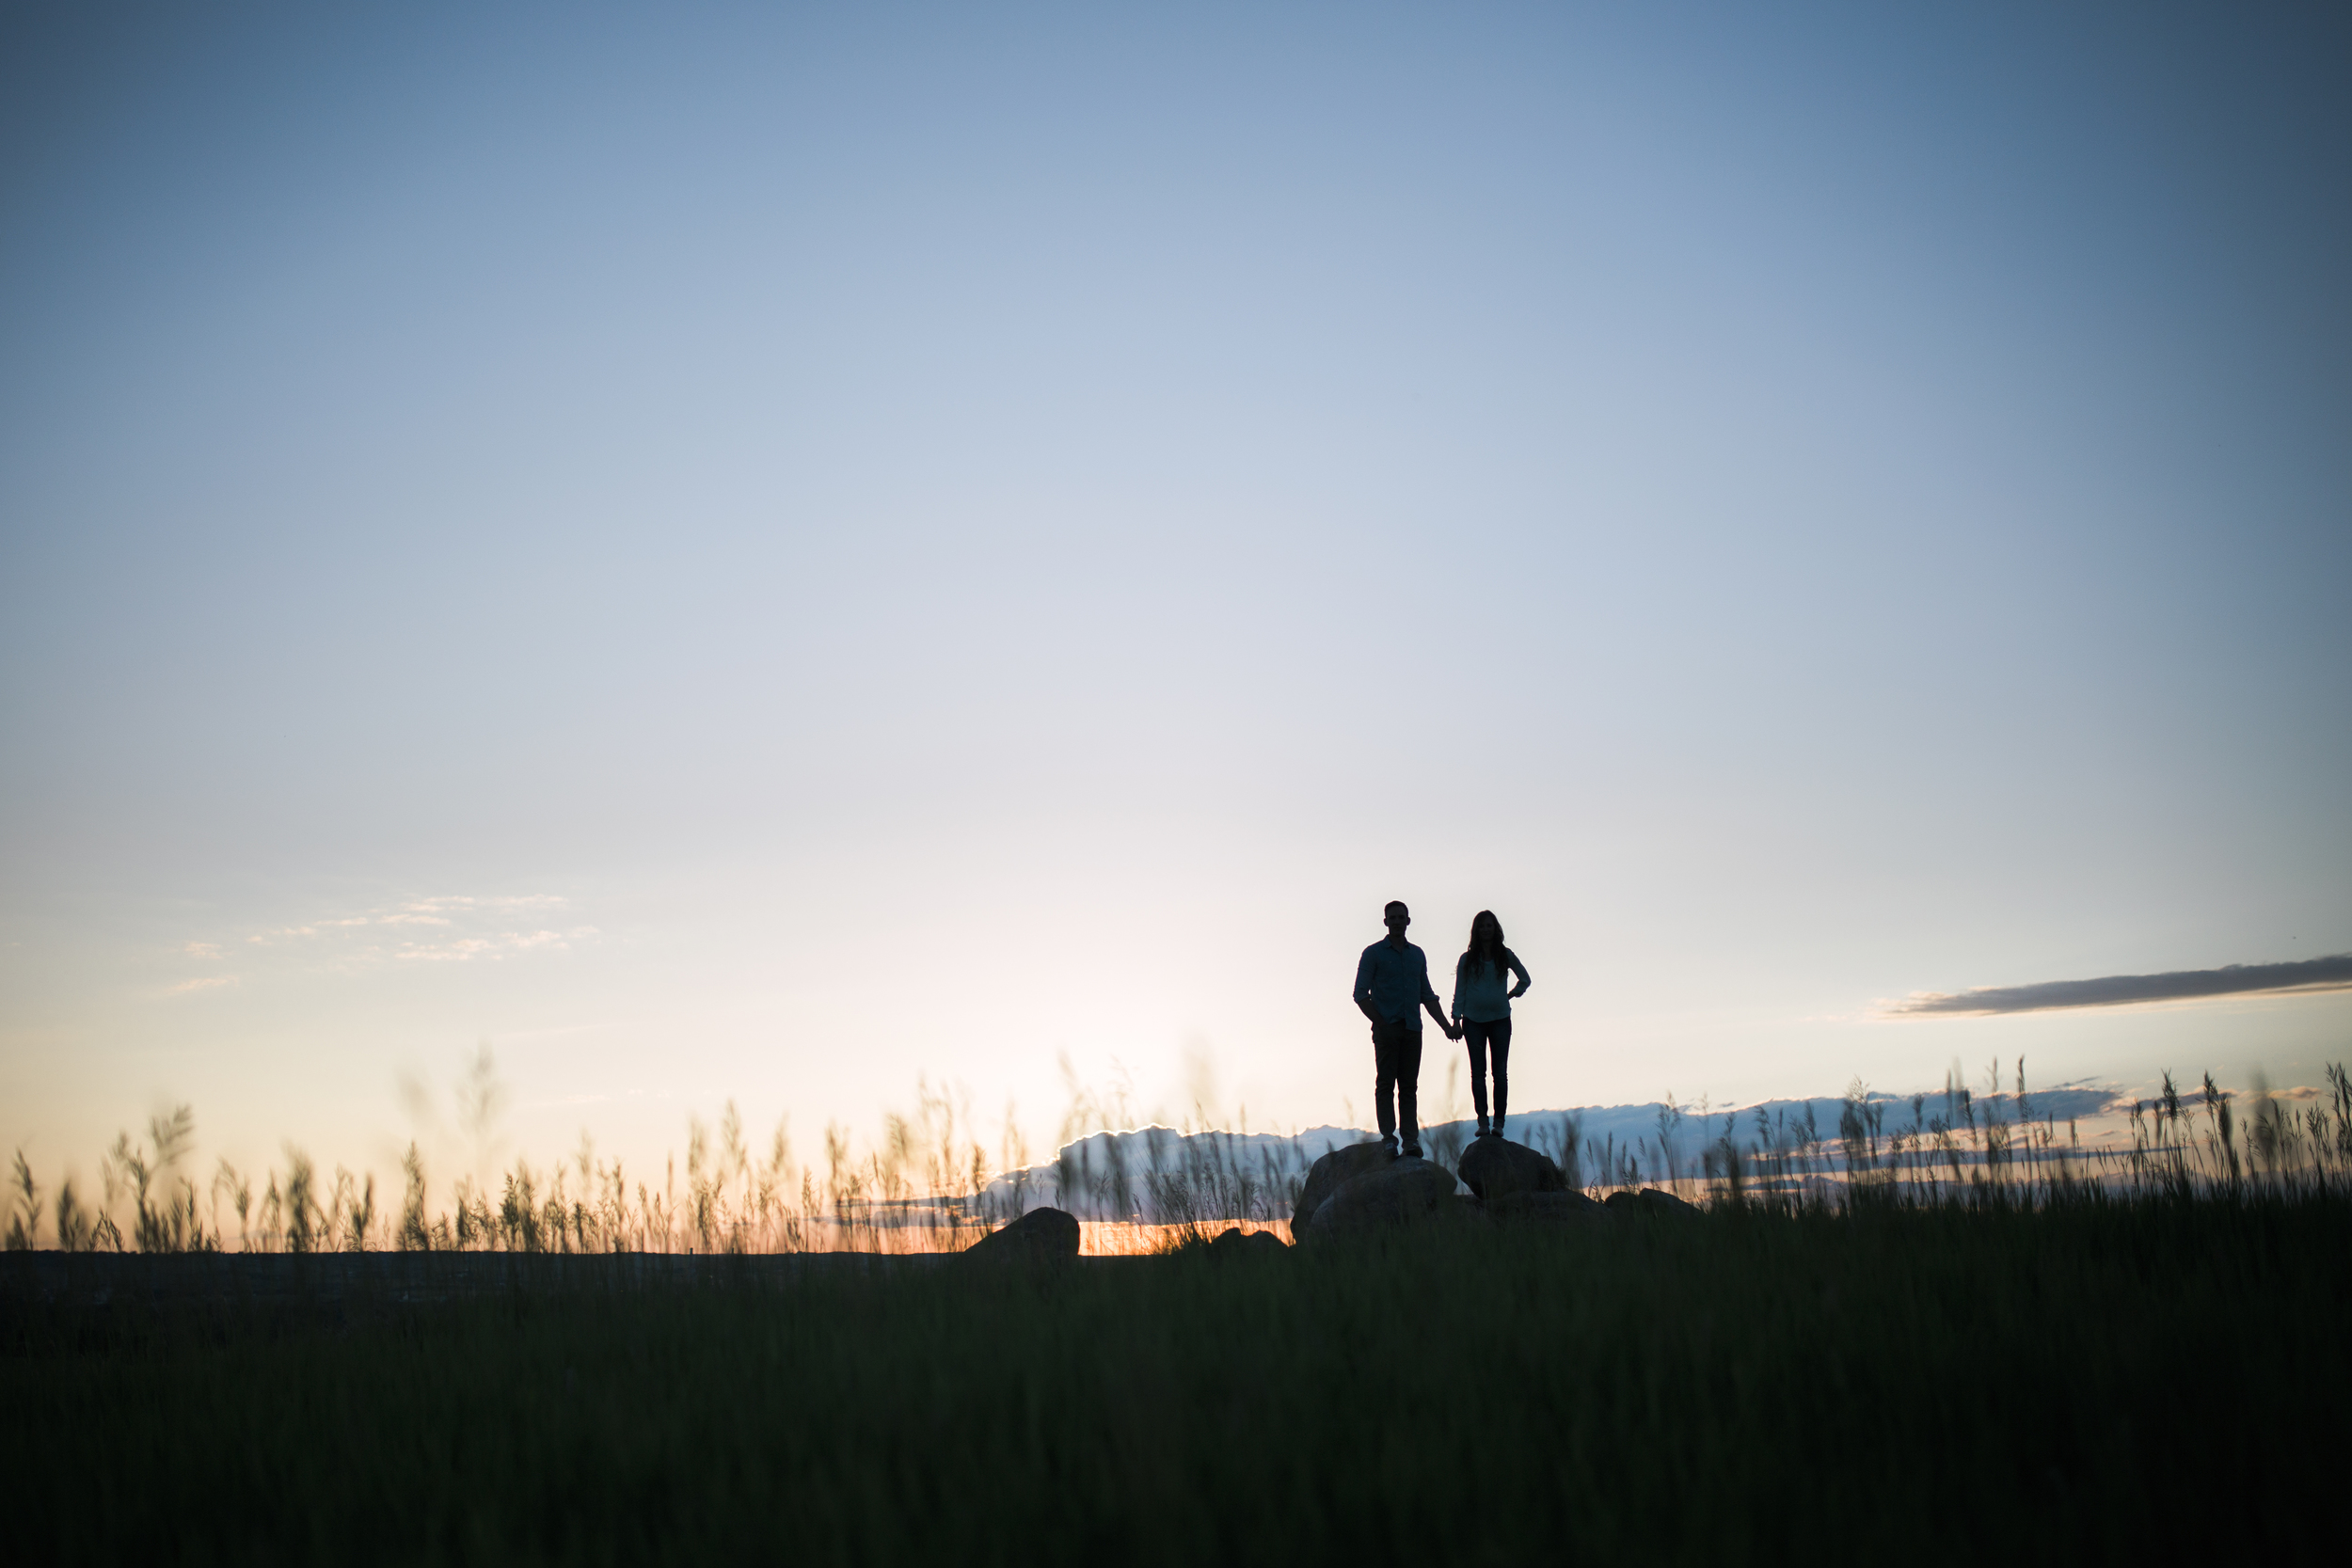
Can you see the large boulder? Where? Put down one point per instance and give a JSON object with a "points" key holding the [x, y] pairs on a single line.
{"points": [[1327, 1175], [1563, 1208], [1406, 1190], [1649, 1200], [1040, 1233], [1494, 1167]]}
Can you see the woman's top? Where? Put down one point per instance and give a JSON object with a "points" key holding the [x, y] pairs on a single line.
{"points": [[1481, 993]]}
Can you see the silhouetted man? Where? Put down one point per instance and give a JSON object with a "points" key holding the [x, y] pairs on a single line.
{"points": [[1392, 988]]}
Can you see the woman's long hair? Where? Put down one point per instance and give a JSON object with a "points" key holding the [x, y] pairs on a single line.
{"points": [[1485, 942]]}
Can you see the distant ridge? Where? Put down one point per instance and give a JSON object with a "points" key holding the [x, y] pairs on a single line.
{"points": [[1109, 1175]]}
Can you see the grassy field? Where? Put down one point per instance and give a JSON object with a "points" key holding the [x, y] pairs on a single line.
{"points": [[2096, 1378]]}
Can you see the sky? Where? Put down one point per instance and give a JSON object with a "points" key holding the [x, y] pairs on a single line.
{"points": [[790, 553]]}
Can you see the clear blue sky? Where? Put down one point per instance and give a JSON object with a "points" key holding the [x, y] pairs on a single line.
{"points": [[777, 551]]}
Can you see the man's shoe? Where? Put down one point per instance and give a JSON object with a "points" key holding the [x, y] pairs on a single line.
{"points": [[1388, 1143], [1412, 1152]]}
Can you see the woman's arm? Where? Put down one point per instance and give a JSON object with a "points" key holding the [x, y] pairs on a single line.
{"points": [[1429, 999], [1521, 970]]}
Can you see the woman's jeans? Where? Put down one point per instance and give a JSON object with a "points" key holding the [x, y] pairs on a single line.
{"points": [[1480, 1036]]}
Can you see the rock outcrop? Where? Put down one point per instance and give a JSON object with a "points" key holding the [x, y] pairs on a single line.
{"points": [[1329, 1174], [1496, 1167], [1405, 1191], [1040, 1233]]}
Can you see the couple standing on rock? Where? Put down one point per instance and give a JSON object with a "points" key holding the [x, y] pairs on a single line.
{"points": [[1393, 987]]}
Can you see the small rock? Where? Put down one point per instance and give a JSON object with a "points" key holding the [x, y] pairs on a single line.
{"points": [[1406, 1190], [1649, 1200], [1492, 1168], [1562, 1208], [1325, 1176], [1045, 1234], [1238, 1243]]}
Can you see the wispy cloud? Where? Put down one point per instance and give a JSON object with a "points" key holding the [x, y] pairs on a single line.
{"points": [[496, 945], [447, 909], [450, 928], [205, 983], [2116, 990], [469, 903]]}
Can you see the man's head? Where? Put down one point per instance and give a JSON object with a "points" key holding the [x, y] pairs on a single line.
{"points": [[1398, 917]]}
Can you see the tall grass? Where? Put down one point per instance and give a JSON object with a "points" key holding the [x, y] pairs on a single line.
{"points": [[928, 1184], [2092, 1380]]}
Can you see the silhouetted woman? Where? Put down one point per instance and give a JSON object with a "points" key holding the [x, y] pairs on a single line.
{"points": [[1482, 1006]]}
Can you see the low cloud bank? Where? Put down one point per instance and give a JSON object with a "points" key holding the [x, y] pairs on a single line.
{"points": [[2116, 990]]}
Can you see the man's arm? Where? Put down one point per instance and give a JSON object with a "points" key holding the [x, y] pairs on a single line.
{"points": [[1363, 988]]}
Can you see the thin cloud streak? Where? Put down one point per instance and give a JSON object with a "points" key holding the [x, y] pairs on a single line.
{"points": [[447, 929], [2116, 990], [209, 982]]}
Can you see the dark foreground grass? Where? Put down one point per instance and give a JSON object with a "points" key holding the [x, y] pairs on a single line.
{"points": [[2101, 1381]]}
